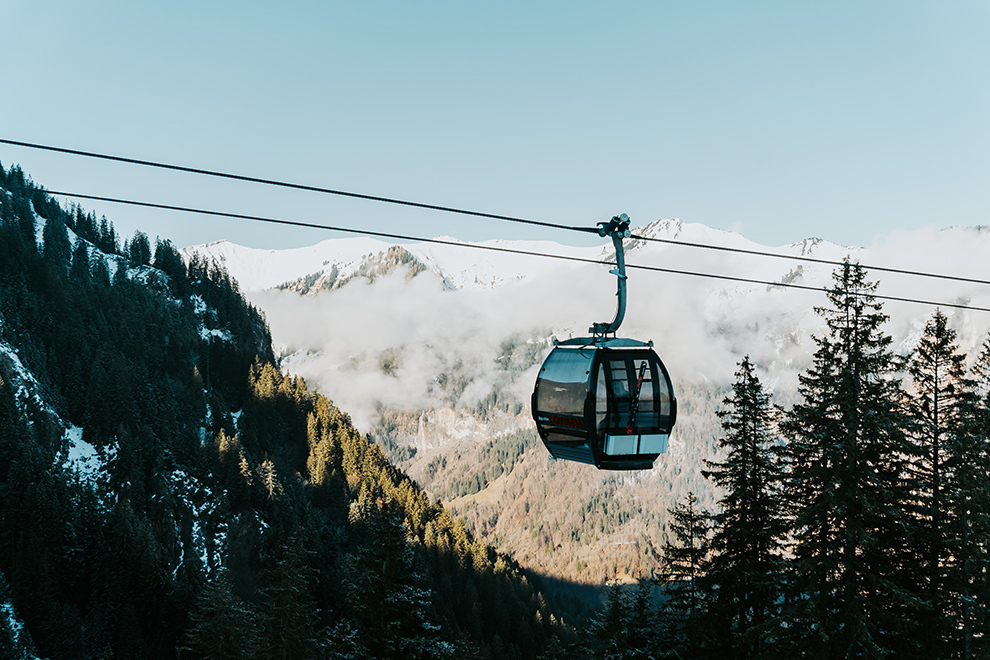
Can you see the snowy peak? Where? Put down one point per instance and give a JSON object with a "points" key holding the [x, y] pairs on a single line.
{"points": [[333, 263], [256, 269], [664, 228], [491, 265], [819, 248], [372, 266]]}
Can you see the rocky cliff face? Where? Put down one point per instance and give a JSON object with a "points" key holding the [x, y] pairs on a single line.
{"points": [[371, 267]]}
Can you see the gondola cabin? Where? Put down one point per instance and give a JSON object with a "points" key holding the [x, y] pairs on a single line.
{"points": [[604, 401]]}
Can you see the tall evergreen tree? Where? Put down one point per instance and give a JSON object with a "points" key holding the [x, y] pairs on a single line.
{"points": [[138, 249], [289, 623], [221, 626], [848, 450], [940, 400], [56, 244], [169, 261], [387, 595], [627, 627], [107, 237], [79, 270], [746, 569], [970, 508], [683, 564]]}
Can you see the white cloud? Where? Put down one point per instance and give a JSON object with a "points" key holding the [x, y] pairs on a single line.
{"points": [[410, 344]]}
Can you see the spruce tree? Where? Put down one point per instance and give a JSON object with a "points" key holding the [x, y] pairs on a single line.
{"points": [[107, 238], [746, 568], [846, 480], [627, 628], [169, 261], [57, 250], [684, 561], [940, 401], [970, 509], [79, 269], [138, 249], [288, 630], [387, 595], [221, 626]]}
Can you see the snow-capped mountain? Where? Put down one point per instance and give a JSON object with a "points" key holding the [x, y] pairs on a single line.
{"points": [[331, 263], [492, 264], [437, 357], [424, 326]]}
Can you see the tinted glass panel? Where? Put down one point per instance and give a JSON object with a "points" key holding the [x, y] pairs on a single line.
{"points": [[646, 397], [563, 383], [620, 378], [601, 400]]}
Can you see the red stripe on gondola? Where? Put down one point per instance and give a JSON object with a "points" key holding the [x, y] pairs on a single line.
{"points": [[569, 422]]}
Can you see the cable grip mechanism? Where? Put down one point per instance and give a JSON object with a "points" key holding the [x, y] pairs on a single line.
{"points": [[617, 228]]}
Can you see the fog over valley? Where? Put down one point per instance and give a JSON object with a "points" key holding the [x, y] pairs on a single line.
{"points": [[398, 338]]}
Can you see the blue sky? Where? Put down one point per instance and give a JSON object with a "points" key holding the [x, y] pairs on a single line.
{"points": [[781, 120]]}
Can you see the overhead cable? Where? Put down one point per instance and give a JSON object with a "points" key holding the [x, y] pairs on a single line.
{"points": [[794, 257], [296, 186], [480, 214], [493, 248]]}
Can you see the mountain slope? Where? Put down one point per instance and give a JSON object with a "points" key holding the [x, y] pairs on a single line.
{"points": [[163, 484], [441, 375]]}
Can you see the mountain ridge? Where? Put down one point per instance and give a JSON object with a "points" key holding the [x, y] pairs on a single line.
{"points": [[258, 269], [439, 373]]}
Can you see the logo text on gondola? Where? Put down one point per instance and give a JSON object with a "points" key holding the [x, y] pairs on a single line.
{"points": [[569, 422]]}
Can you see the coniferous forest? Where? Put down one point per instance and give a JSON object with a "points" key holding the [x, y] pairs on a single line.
{"points": [[238, 514], [230, 512], [854, 525]]}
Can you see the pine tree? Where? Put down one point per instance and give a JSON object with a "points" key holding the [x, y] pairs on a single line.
{"points": [[221, 626], [387, 596], [138, 249], [168, 260], [56, 244], [683, 564], [107, 237], [970, 507], [343, 642], [746, 569], [79, 270], [627, 628], [288, 630], [847, 484], [940, 403]]}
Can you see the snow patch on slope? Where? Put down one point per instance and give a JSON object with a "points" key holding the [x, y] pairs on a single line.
{"points": [[209, 529], [27, 390], [207, 317], [23, 647], [88, 462]]}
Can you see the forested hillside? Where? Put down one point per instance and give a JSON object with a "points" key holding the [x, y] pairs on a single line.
{"points": [[572, 521], [854, 524], [165, 491]]}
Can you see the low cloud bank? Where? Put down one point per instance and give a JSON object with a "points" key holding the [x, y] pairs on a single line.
{"points": [[409, 344]]}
